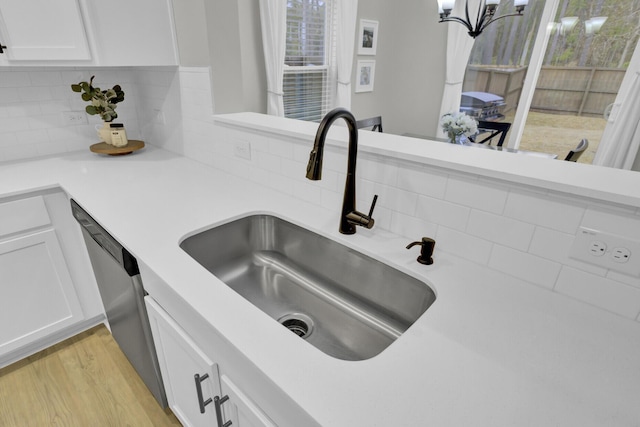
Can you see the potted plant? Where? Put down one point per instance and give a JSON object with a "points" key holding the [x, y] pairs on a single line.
{"points": [[102, 103]]}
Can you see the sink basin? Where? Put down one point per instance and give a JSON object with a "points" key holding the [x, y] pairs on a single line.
{"points": [[343, 302]]}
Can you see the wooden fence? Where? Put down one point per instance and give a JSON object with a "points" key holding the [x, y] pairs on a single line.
{"points": [[582, 91]]}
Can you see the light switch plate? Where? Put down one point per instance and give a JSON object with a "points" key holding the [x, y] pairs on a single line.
{"points": [[607, 250]]}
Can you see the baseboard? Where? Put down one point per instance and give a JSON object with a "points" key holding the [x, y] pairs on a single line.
{"points": [[30, 349]]}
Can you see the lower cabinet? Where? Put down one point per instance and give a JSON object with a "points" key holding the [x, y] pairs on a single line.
{"points": [[47, 293], [37, 297], [198, 391], [241, 410]]}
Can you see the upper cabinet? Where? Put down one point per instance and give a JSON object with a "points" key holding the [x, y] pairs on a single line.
{"points": [[84, 32], [133, 32], [51, 30]]}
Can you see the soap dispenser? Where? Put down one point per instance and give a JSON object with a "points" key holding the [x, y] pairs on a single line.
{"points": [[426, 251]]}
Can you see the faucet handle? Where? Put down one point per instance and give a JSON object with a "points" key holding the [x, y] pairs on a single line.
{"points": [[358, 218], [373, 206]]}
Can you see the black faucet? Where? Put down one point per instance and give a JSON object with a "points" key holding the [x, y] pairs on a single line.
{"points": [[349, 217]]}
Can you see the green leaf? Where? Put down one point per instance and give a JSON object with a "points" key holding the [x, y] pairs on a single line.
{"points": [[76, 88], [86, 97], [90, 109]]}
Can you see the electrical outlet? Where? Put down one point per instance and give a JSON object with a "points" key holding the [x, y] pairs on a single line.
{"points": [[621, 255], [242, 149], [597, 248], [74, 117], [607, 250], [158, 116]]}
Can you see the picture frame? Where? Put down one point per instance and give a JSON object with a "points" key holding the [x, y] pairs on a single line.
{"points": [[365, 74], [368, 37]]}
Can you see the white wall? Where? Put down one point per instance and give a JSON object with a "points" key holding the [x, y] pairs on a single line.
{"points": [[409, 77]]}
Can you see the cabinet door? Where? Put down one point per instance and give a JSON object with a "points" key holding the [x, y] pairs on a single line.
{"points": [[37, 296], [180, 361], [43, 30], [240, 409], [133, 33]]}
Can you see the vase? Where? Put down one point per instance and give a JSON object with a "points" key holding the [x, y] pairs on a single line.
{"points": [[104, 132], [460, 139]]}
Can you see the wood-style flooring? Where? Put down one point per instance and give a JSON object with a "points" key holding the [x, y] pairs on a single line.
{"points": [[83, 381]]}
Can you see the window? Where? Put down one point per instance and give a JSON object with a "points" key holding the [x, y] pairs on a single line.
{"points": [[309, 83], [589, 46]]}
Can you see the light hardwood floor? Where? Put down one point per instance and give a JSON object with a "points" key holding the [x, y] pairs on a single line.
{"points": [[83, 381]]}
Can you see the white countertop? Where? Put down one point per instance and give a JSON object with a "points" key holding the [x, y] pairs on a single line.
{"points": [[491, 351]]}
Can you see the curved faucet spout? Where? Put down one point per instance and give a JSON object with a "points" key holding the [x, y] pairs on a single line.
{"points": [[350, 217]]}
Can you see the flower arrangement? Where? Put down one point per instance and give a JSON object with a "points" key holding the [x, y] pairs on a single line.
{"points": [[456, 124], [103, 102]]}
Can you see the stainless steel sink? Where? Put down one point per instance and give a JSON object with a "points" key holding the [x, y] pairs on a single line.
{"points": [[343, 302]]}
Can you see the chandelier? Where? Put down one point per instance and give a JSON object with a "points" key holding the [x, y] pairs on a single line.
{"points": [[485, 16]]}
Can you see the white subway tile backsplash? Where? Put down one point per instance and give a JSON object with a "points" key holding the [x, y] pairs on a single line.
{"points": [[45, 78], [422, 182], [410, 226], [35, 93], [13, 79], [371, 167], [463, 245], [499, 229], [623, 278], [555, 245], [32, 136], [546, 211], [9, 94], [623, 223], [599, 291], [442, 212], [395, 199], [475, 194], [525, 266], [280, 148], [306, 191]]}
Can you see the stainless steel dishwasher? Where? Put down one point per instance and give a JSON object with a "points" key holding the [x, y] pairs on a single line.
{"points": [[122, 293]]}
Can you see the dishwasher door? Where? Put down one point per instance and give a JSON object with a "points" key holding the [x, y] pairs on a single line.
{"points": [[123, 295]]}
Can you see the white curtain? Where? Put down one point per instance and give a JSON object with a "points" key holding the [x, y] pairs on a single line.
{"points": [[620, 143], [459, 45], [273, 17], [346, 35]]}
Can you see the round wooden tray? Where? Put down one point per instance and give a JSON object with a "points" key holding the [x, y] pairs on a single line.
{"points": [[104, 148]]}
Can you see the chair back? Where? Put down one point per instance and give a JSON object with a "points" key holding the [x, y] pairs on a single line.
{"points": [[495, 129], [375, 123], [575, 154]]}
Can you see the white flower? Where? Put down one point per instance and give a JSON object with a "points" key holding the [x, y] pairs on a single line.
{"points": [[458, 123]]}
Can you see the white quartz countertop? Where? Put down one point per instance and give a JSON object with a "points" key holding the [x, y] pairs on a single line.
{"points": [[491, 350]]}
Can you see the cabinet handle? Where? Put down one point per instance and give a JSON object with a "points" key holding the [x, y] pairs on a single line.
{"points": [[201, 400], [218, 403], [2, 47]]}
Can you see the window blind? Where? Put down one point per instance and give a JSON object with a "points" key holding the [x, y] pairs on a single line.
{"points": [[309, 83]]}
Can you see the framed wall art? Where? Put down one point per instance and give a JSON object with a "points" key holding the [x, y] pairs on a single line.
{"points": [[367, 37], [366, 71]]}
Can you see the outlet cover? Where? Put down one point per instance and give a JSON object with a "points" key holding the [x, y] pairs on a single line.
{"points": [[612, 245], [242, 149], [74, 117]]}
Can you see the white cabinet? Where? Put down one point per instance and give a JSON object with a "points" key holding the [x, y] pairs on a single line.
{"points": [[240, 409], [37, 295], [87, 32], [190, 377], [133, 32], [197, 394], [43, 30]]}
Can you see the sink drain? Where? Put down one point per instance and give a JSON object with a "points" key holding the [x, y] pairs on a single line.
{"points": [[298, 323]]}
